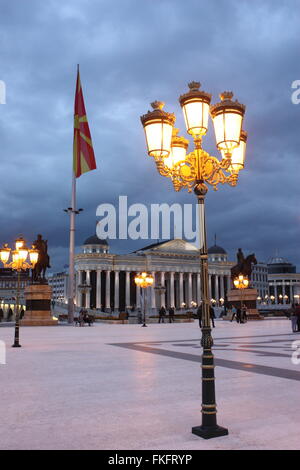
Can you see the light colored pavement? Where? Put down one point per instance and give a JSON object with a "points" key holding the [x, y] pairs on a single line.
{"points": [[79, 388]]}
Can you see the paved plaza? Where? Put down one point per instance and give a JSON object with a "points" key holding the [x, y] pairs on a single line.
{"points": [[127, 387]]}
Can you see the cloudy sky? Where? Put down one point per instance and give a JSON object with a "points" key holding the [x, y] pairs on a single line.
{"points": [[132, 52]]}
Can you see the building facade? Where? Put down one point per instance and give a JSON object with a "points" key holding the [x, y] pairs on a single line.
{"points": [[259, 280], [284, 282], [8, 289], [105, 281], [59, 285]]}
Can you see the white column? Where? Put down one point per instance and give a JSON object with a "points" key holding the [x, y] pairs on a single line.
{"points": [[228, 283], [153, 300], [275, 293], [116, 300], [209, 286], [222, 286], [127, 289], [198, 298], [180, 289], [189, 290], [78, 282], [107, 291], [172, 301], [217, 288], [162, 295], [88, 294], [98, 289]]}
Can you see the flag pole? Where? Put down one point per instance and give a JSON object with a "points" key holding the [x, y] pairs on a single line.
{"points": [[72, 211]]}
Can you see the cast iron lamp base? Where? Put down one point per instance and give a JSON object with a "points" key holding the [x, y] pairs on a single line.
{"points": [[16, 346], [208, 432]]}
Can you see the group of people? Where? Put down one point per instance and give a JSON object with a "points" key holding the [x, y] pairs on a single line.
{"points": [[84, 317], [163, 312], [240, 314], [295, 318]]}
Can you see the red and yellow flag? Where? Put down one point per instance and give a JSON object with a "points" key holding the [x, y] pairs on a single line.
{"points": [[83, 153]]}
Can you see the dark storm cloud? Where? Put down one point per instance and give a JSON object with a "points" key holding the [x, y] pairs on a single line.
{"points": [[132, 52]]}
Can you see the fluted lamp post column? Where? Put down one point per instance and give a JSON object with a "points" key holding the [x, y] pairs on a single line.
{"points": [[144, 280], [195, 171], [18, 263]]}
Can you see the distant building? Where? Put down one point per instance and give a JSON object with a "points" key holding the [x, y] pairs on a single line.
{"points": [[59, 284], [259, 280], [174, 265], [8, 288], [284, 282]]}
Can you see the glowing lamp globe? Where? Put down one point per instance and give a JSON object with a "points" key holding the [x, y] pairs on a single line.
{"points": [[158, 126], [195, 107], [227, 116]]}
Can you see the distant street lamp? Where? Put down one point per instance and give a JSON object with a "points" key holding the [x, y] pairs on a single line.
{"points": [[18, 263], [194, 171], [144, 280]]}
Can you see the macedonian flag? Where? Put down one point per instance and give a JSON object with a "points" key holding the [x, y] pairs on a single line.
{"points": [[84, 158]]}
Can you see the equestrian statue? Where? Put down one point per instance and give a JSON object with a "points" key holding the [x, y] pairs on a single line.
{"points": [[243, 266], [39, 271]]}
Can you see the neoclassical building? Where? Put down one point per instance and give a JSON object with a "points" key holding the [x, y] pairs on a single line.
{"points": [[284, 282], [105, 281]]}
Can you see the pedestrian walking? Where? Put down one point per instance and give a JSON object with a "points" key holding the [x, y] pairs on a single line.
{"points": [[238, 315], [244, 314], [297, 313], [234, 312], [171, 314], [162, 314], [294, 318]]}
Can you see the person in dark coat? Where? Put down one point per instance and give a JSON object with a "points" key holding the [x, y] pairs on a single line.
{"points": [[10, 314], [297, 314], [211, 314], [239, 315], [1, 314], [171, 314], [162, 314]]}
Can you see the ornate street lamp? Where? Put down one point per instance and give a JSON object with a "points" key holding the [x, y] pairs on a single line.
{"points": [[241, 283], [194, 171], [144, 280], [18, 263]]}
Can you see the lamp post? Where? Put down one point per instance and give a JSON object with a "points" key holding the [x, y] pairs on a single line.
{"points": [[241, 283], [18, 263], [195, 171], [144, 280]]}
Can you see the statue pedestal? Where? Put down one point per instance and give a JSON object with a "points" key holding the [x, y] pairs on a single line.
{"points": [[38, 306], [248, 297]]}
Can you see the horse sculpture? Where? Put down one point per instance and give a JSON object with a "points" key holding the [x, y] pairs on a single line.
{"points": [[39, 271], [245, 267]]}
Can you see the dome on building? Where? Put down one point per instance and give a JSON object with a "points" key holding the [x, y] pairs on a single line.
{"points": [[216, 250], [94, 240]]}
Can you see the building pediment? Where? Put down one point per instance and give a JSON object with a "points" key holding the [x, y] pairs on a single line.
{"points": [[177, 246]]}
